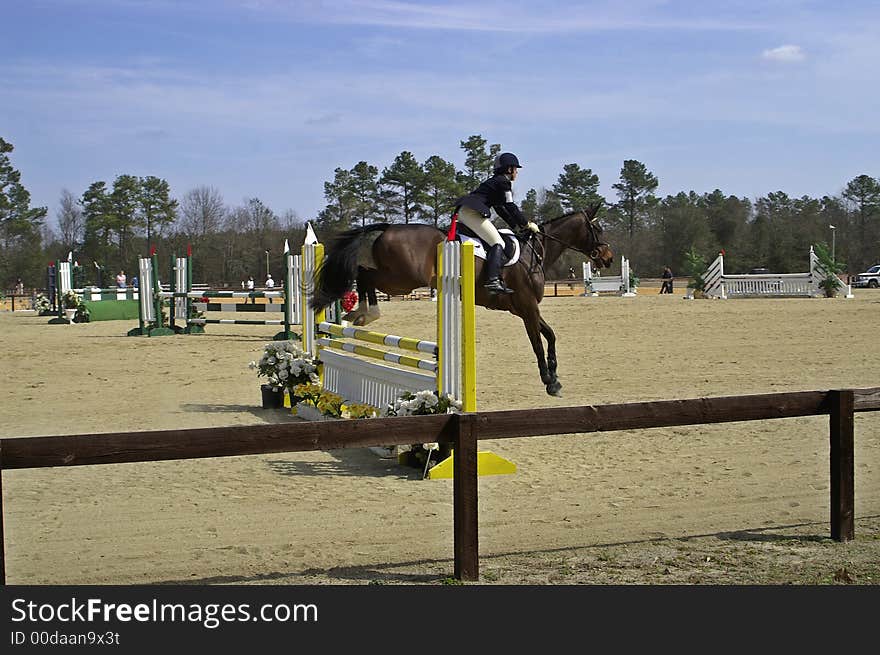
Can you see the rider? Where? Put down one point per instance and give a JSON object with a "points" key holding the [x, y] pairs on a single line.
{"points": [[474, 211]]}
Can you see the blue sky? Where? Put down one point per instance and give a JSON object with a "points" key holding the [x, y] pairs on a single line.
{"points": [[264, 98]]}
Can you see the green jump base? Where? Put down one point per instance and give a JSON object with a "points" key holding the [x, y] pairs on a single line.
{"points": [[112, 310], [151, 332]]}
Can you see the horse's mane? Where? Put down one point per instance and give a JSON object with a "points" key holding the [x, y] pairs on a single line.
{"points": [[564, 216]]}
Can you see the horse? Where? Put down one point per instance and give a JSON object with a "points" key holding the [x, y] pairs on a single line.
{"points": [[396, 259]]}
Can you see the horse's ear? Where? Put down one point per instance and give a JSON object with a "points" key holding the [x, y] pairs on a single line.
{"points": [[593, 210]]}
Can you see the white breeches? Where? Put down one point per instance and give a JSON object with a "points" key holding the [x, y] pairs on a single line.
{"points": [[481, 226]]}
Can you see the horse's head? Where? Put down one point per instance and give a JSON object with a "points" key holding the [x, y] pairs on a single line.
{"points": [[590, 238]]}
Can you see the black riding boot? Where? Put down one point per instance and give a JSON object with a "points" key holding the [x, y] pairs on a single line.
{"points": [[494, 283]]}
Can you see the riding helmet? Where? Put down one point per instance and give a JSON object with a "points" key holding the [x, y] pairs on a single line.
{"points": [[504, 161]]}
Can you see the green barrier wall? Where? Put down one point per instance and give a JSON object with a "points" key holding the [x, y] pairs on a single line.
{"points": [[112, 310]]}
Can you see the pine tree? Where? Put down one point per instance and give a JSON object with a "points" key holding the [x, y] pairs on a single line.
{"points": [[635, 192], [405, 181], [577, 188], [20, 226]]}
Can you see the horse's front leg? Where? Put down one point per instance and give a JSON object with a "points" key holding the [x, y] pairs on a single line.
{"points": [[534, 330], [550, 336]]}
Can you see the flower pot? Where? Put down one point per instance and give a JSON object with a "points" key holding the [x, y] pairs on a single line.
{"points": [[272, 399], [70, 314]]}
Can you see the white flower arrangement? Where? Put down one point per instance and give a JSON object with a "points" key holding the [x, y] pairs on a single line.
{"points": [[42, 304], [422, 403], [285, 365]]}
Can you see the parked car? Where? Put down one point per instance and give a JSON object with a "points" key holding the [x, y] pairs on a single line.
{"points": [[759, 271], [870, 278]]}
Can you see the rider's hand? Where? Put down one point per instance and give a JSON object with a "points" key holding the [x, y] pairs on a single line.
{"points": [[533, 227]]}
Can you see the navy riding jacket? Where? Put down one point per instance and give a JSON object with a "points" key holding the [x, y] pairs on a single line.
{"points": [[495, 193]]}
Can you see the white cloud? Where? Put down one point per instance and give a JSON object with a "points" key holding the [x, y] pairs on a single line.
{"points": [[785, 53], [535, 17]]}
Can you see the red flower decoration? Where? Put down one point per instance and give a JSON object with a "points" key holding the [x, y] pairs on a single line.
{"points": [[349, 300]]}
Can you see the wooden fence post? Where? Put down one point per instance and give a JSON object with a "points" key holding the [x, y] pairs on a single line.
{"points": [[2, 535], [842, 465], [464, 489]]}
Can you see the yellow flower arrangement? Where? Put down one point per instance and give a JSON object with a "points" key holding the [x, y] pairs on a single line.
{"points": [[330, 404], [359, 410], [308, 392]]}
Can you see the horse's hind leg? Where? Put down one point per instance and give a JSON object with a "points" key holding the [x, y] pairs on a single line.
{"points": [[550, 336], [373, 306], [367, 309], [534, 328]]}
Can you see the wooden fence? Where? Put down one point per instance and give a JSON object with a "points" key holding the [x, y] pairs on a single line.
{"points": [[463, 431]]}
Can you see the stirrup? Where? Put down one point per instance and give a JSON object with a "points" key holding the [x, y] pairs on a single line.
{"points": [[496, 285]]}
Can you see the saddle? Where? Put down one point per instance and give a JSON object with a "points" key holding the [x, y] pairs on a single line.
{"points": [[511, 243]]}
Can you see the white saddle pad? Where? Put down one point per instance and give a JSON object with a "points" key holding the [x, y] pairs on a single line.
{"points": [[480, 250]]}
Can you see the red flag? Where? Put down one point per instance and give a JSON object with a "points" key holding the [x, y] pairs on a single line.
{"points": [[450, 236]]}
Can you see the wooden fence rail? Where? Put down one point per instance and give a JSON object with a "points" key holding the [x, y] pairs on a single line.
{"points": [[462, 431]]}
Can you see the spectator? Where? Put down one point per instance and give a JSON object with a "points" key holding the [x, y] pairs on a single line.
{"points": [[270, 285], [250, 288], [134, 282], [120, 280], [666, 287], [19, 287]]}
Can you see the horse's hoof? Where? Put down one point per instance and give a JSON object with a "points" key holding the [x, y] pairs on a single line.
{"points": [[354, 317], [372, 314], [555, 388]]}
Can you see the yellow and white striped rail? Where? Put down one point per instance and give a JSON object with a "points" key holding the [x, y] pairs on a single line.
{"points": [[405, 343], [378, 353]]}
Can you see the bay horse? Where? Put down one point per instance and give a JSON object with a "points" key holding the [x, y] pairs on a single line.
{"points": [[396, 259]]}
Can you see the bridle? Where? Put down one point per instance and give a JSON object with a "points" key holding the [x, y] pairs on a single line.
{"points": [[591, 226]]}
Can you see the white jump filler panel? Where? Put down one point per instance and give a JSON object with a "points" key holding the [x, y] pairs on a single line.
{"points": [[619, 284], [768, 285]]}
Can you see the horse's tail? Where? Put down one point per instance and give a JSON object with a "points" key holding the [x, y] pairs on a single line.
{"points": [[338, 272]]}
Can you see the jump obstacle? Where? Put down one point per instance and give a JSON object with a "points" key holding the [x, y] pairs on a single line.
{"points": [[767, 285], [452, 367], [619, 284], [61, 275], [347, 368], [187, 303]]}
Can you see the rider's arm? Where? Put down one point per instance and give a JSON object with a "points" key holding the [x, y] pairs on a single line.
{"points": [[503, 204]]}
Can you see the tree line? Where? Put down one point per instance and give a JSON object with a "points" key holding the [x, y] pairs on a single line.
{"points": [[109, 224]]}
